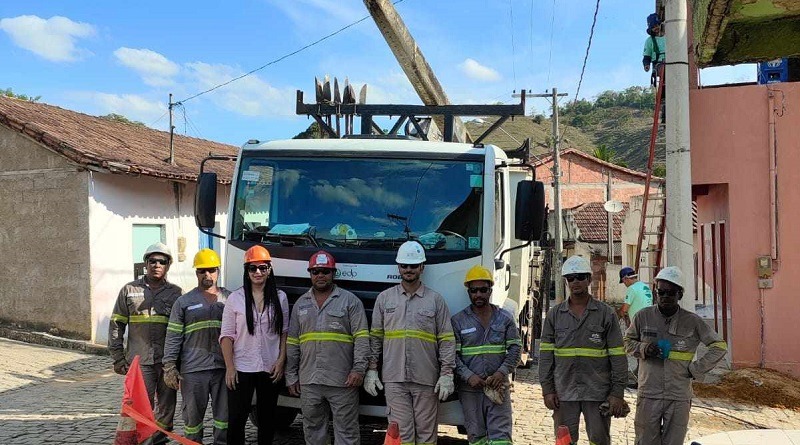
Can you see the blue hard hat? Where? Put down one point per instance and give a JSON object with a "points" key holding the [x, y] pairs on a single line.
{"points": [[626, 272], [653, 20]]}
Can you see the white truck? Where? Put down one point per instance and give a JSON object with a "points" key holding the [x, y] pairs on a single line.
{"points": [[361, 198]]}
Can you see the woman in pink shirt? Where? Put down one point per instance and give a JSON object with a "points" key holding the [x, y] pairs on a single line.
{"points": [[253, 339]]}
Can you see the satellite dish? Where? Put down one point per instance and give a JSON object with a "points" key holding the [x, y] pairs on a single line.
{"points": [[613, 206]]}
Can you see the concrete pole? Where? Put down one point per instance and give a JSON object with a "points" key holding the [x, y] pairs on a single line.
{"points": [[559, 236], [679, 236]]}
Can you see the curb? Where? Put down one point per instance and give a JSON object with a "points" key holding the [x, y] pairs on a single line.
{"points": [[44, 339]]}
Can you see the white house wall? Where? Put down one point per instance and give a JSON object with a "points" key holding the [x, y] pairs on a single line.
{"points": [[116, 203]]}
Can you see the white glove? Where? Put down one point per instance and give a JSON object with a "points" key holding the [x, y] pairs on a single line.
{"points": [[372, 383], [497, 397], [444, 387]]}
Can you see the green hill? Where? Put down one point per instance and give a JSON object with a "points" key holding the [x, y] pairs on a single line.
{"points": [[620, 121]]}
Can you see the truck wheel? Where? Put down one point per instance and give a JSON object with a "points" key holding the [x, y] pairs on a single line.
{"points": [[283, 418], [461, 429]]}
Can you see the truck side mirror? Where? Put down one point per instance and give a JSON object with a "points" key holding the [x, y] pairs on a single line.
{"points": [[205, 200], [529, 210]]}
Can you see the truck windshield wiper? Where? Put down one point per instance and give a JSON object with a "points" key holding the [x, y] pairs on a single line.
{"points": [[305, 239]]}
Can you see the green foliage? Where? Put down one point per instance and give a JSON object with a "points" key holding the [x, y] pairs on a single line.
{"points": [[121, 119], [312, 132], [538, 119], [660, 170], [604, 153], [8, 92], [636, 97]]}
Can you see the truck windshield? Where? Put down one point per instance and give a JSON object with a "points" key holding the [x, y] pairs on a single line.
{"points": [[359, 203]]}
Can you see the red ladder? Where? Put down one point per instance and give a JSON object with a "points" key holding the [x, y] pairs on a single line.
{"points": [[657, 139]]}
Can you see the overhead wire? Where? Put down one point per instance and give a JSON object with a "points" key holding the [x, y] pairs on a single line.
{"points": [[513, 46], [552, 27], [285, 56], [530, 56]]}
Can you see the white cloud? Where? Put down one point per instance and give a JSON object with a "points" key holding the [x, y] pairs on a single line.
{"points": [[319, 15], [132, 106], [155, 69], [53, 39], [476, 71], [249, 96]]}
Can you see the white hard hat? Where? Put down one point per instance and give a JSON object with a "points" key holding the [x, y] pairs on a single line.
{"points": [[410, 252], [157, 248], [671, 274], [575, 264]]}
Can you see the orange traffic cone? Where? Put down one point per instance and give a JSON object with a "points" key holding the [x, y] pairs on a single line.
{"points": [[126, 431], [392, 435], [562, 436]]}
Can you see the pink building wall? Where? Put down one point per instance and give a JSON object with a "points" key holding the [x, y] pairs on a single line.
{"points": [[584, 180], [730, 143]]}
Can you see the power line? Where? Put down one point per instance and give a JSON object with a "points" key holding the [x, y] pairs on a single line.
{"points": [[531, 54], [285, 56], [513, 47], [550, 57], [588, 47]]}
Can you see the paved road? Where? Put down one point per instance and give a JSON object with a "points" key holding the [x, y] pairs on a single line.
{"points": [[50, 395]]}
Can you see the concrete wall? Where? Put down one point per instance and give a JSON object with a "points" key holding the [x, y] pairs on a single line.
{"points": [[43, 238], [585, 181], [118, 202], [730, 147]]}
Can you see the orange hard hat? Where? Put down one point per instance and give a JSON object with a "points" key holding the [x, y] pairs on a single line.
{"points": [[321, 259], [256, 253]]}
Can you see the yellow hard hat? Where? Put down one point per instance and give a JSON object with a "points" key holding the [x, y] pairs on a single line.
{"points": [[206, 258], [478, 272]]}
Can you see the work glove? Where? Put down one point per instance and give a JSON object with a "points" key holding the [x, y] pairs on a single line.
{"points": [[444, 387], [172, 378], [372, 383], [651, 351], [497, 397], [121, 366], [615, 406]]}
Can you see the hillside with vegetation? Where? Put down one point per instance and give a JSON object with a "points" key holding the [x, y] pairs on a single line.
{"points": [[614, 126]]}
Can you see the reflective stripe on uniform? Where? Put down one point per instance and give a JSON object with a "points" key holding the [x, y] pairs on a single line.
{"points": [[292, 341], [483, 349], [410, 333], [205, 324], [376, 332], [681, 356], [175, 327], [481, 441], [547, 347], [149, 319], [118, 317], [581, 352], [361, 333], [326, 336], [616, 351], [220, 425], [515, 341], [719, 344], [501, 442], [192, 429], [446, 336]]}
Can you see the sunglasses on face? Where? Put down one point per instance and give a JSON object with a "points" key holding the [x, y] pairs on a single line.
{"points": [[409, 266], [321, 271], [252, 268], [475, 290], [665, 292], [153, 261], [206, 270], [571, 278]]}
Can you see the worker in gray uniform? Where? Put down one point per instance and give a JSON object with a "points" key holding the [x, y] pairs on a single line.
{"points": [[143, 308], [488, 349], [582, 362], [664, 338], [327, 354], [412, 333], [193, 359]]}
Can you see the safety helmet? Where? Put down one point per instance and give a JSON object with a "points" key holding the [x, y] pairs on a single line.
{"points": [[410, 252], [157, 248], [256, 253], [206, 258], [574, 265], [321, 259], [627, 272], [653, 20], [478, 272], [671, 274]]}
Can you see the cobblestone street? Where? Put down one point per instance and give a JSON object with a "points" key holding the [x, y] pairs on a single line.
{"points": [[50, 395]]}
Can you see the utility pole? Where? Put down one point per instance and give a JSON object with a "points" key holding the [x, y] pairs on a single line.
{"points": [[171, 133], [558, 252], [610, 217], [679, 237]]}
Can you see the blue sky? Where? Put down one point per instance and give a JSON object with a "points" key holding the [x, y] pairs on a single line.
{"points": [[126, 57]]}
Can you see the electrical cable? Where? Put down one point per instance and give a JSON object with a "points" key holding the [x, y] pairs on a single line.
{"points": [[513, 47], [285, 56], [530, 57], [550, 57], [588, 47]]}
